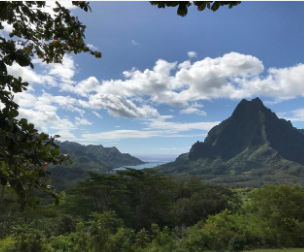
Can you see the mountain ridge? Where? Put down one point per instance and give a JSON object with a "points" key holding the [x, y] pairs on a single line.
{"points": [[252, 139], [109, 156], [86, 158]]}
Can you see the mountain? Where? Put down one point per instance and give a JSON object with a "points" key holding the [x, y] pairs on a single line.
{"points": [[250, 148], [87, 158], [98, 155]]}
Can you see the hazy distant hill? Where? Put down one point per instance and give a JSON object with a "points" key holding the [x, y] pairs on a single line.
{"points": [[250, 148], [88, 158], [97, 154]]}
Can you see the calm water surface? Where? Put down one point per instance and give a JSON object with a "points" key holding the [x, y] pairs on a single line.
{"points": [[151, 161], [142, 166]]}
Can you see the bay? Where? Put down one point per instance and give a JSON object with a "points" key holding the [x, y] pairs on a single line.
{"points": [[147, 165]]}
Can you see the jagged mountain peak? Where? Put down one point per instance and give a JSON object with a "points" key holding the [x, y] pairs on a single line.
{"points": [[247, 109], [250, 148], [251, 126]]}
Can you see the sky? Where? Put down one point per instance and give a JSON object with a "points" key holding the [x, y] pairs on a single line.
{"points": [[164, 80]]}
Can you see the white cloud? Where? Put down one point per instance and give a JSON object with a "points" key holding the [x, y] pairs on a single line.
{"points": [[81, 121], [279, 83], [157, 127], [28, 100], [194, 109], [161, 123], [233, 76], [205, 79], [128, 134], [45, 118], [92, 47], [42, 111], [29, 75], [192, 54], [277, 100], [84, 87], [296, 115], [119, 106], [66, 135], [52, 4], [214, 78], [135, 43], [63, 73], [53, 74], [7, 27], [98, 115]]}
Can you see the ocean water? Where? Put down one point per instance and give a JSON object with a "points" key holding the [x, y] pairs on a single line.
{"points": [[151, 162], [142, 166]]}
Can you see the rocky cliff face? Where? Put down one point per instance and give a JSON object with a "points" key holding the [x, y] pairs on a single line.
{"points": [[250, 127], [250, 148]]}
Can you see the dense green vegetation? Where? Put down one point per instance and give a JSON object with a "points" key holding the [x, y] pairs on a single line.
{"points": [[253, 147], [87, 158], [145, 211], [36, 32], [97, 156], [277, 250], [138, 210]]}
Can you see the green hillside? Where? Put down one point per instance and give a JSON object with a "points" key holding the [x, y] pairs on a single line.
{"points": [[105, 157], [87, 158]]}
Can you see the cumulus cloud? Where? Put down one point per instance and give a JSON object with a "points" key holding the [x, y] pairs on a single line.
{"points": [[62, 73], [119, 106], [162, 123], [29, 100], [192, 54], [84, 87], [45, 118], [81, 121], [29, 75], [43, 110], [53, 74], [282, 83], [232, 76], [194, 109], [176, 85]]}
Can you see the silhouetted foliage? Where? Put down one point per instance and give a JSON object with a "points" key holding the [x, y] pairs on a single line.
{"points": [[24, 152], [182, 6]]}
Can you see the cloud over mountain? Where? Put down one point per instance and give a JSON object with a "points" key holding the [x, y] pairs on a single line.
{"points": [[139, 93]]}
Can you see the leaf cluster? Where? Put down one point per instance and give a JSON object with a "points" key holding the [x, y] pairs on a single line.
{"points": [[182, 6], [49, 35]]}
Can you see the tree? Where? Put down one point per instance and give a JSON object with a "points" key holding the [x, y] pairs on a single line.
{"points": [[182, 9], [24, 152], [282, 207]]}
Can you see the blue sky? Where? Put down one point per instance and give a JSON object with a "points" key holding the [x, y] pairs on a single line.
{"points": [[164, 80]]}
